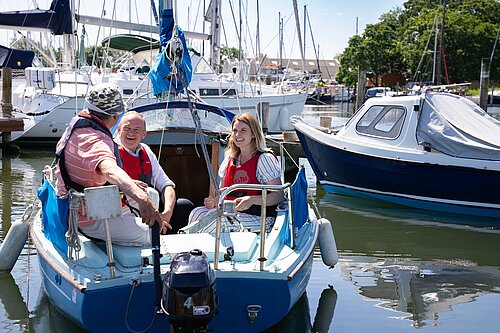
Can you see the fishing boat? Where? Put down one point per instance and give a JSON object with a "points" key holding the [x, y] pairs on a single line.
{"points": [[434, 151], [190, 281]]}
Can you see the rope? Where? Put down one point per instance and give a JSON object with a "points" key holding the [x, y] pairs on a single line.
{"points": [[199, 134], [134, 284], [179, 75], [75, 199]]}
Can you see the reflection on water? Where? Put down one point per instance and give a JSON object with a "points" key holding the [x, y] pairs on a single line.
{"points": [[419, 291], [13, 310], [298, 320], [409, 261]]}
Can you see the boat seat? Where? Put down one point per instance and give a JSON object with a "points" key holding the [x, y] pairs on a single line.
{"points": [[243, 243]]}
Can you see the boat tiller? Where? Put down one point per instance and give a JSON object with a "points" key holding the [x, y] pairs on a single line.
{"points": [[189, 298]]}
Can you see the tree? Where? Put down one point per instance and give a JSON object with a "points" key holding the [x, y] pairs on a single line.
{"points": [[404, 38], [227, 52]]}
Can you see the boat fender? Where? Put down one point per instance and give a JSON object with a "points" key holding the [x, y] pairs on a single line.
{"points": [[14, 241], [284, 119], [325, 310], [327, 243]]}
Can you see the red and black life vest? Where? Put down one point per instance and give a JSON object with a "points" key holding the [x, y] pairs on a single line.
{"points": [[246, 173], [137, 167], [82, 120]]}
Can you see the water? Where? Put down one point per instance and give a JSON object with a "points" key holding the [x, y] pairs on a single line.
{"points": [[400, 269]]}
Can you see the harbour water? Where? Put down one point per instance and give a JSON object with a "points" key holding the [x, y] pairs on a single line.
{"points": [[400, 269]]}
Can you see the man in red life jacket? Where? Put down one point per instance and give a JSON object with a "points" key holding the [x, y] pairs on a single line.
{"points": [[141, 164], [88, 157]]}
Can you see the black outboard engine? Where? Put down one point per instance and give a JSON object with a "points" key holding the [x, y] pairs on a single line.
{"points": [[189, 299]]}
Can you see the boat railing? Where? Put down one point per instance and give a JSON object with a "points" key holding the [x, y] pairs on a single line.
{"points": [[227, 208]]}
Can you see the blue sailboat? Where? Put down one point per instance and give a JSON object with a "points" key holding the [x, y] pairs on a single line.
{"points": [[246, 280]]}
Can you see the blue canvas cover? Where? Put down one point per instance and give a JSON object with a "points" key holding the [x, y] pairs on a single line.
{"points": [[15, 59], [54, 216], [300, 207], [160, 74], [57, 19]]}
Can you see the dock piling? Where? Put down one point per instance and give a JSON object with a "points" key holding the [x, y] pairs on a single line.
{"points": [[7, 123]]}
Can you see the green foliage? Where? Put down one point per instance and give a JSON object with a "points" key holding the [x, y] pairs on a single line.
{"points": [[227, 52], [404, 38], [100, 56]]}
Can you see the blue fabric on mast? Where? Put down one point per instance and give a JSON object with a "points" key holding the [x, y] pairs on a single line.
{"points": [[300, 208], [54, 216], [161, 72]]}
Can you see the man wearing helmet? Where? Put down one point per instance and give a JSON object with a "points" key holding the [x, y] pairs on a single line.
{"points": [[88, 157]]}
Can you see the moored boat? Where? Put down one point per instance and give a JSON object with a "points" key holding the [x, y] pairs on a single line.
{"points": [[103, 292], [435, 151]]}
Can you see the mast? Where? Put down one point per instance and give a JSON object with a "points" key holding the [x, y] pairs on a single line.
{"points": [[257, 34], [280, 19], [215, 36], [297, 23], [439, 57], [316, 53], [434, 60], [305, 27], [68, 56], [241, 31]]}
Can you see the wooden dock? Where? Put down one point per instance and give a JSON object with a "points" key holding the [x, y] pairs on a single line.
{"points": [[11, 124], [8, 124]]}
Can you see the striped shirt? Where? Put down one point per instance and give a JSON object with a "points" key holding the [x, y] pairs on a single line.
{"points": [[86, 148]]}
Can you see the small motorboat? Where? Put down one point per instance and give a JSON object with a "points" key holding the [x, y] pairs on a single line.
{"points": [[435, 151]]}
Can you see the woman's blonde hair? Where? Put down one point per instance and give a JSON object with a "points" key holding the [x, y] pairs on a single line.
{"points": [[258, 142]]}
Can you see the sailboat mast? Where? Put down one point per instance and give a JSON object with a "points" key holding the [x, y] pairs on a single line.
{"points": [[434, 60], [240, 50], [257, 34], [316, 53], [439, 58], [215, 36], [280, 19], [68, 56], [297, 23], [305, 27]]}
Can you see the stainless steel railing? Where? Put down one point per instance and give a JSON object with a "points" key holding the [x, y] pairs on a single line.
{"points": [[220, 213]]}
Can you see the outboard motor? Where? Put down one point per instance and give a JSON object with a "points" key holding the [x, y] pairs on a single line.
{"points": [[189, 298]]}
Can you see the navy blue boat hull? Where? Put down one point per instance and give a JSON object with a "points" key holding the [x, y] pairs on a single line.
{"points": [[422, 185]]}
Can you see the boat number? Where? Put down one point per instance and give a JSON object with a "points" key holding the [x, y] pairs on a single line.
{"points": [[57, 278], [188, 304]]}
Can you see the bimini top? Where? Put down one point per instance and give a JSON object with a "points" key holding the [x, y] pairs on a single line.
{"points": [[456, 126], [131, 43]]}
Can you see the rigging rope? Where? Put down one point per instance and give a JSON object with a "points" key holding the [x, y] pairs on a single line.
{"points": [[199, 134]]}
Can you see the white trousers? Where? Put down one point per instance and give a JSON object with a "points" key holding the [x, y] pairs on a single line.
{"points": [[125, 230]]}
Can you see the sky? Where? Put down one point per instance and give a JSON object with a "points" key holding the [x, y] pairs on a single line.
{"points": [[333, 22]]}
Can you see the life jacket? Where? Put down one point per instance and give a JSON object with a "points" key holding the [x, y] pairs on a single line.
{"points": [[246, 173], [81, 121], [137, 167]]}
